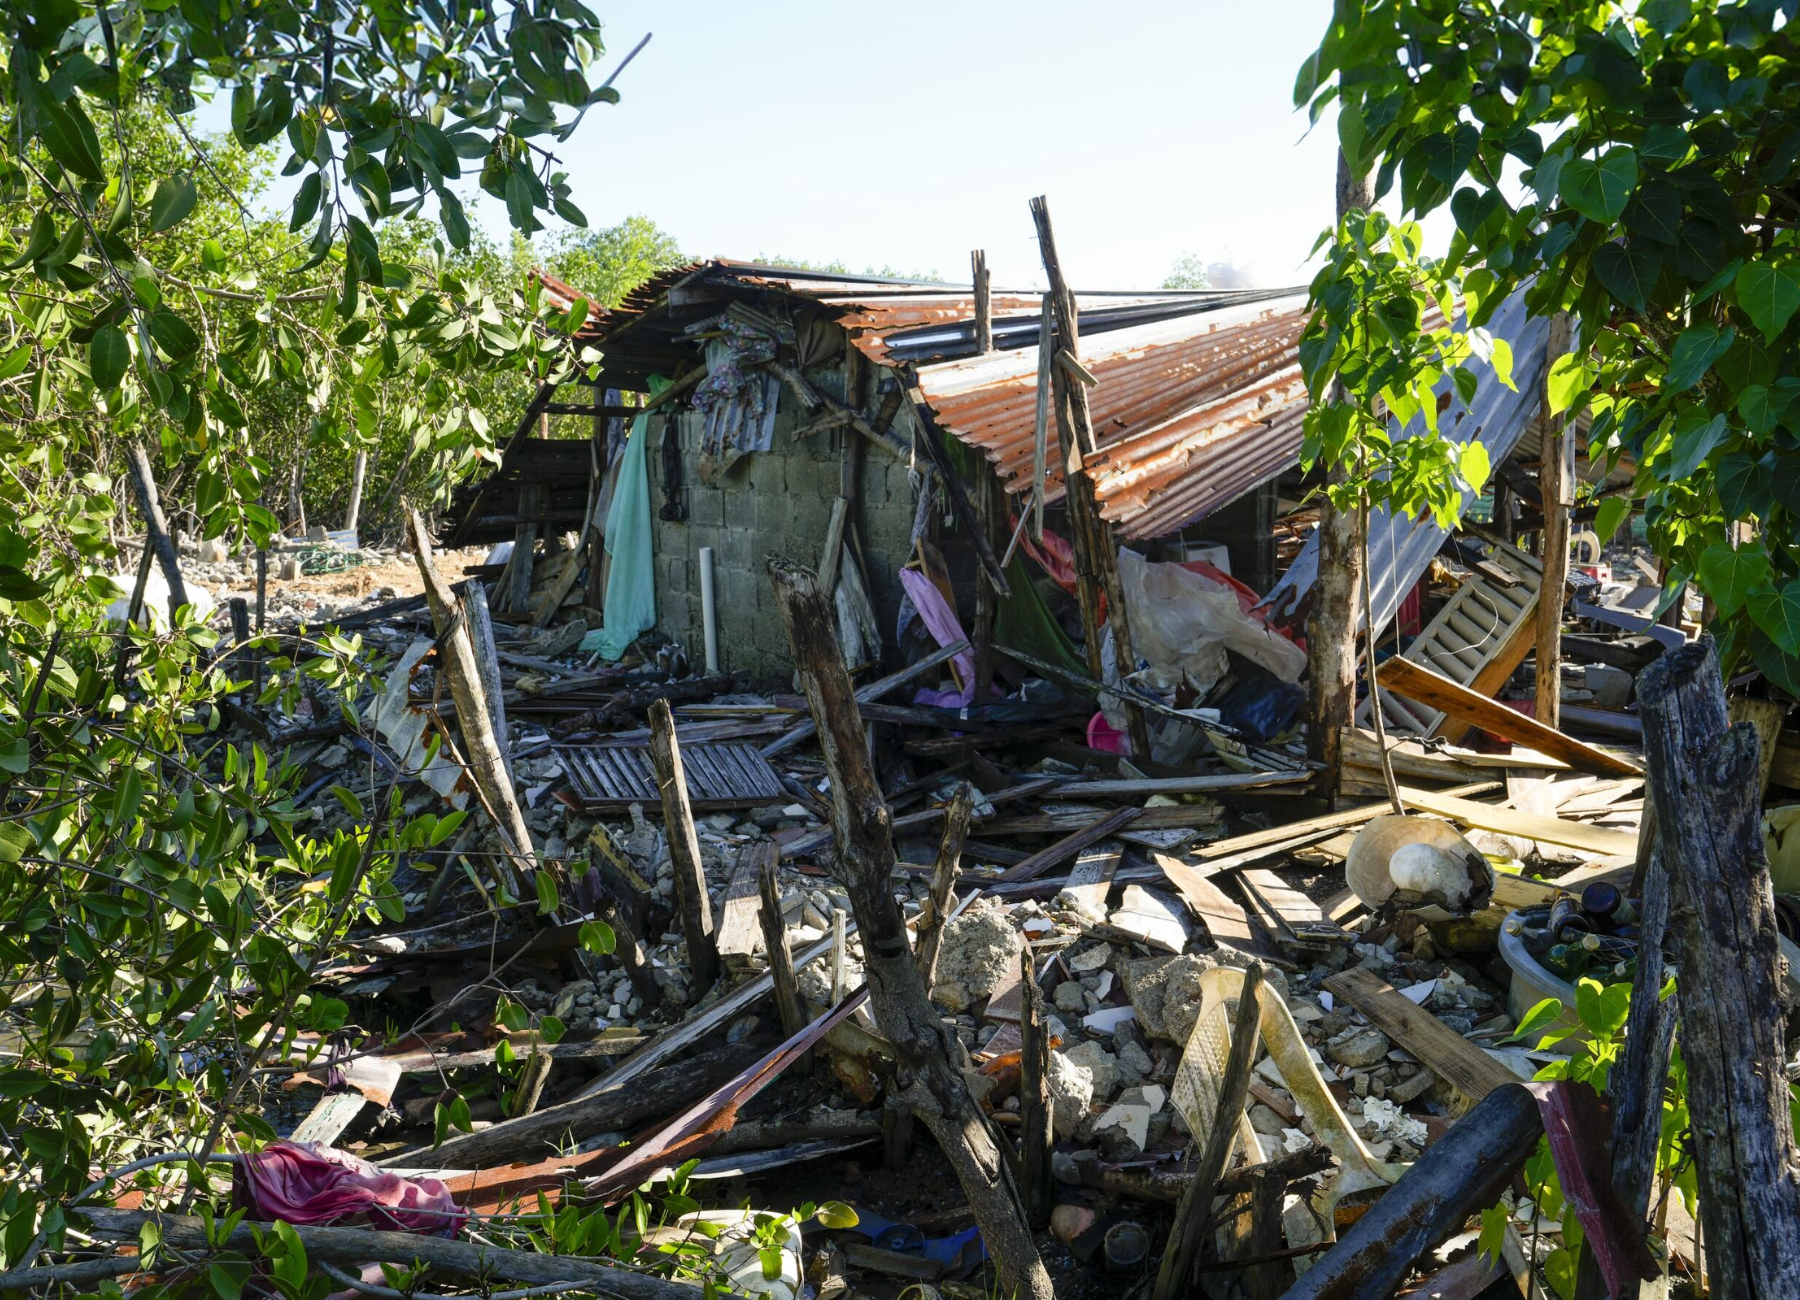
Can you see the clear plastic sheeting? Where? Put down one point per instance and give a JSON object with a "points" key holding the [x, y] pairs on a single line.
{"points": [[1201, 1072], [1182, 624], [404, 727]]}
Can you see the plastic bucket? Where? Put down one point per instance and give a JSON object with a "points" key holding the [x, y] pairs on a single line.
{"points": [[1532, 982]]}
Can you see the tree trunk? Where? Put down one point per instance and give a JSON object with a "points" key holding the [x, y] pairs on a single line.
{"points": [[357, 471], [1556, 471], [927, 1053], [156, 528], [1331, 626], [1723, 913]]}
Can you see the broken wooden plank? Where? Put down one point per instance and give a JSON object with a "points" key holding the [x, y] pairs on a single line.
{"points": [[1090, 879], [740, 915], [1069, 846], [804, 730], [335, 1112], [1421, 684], [1167, 817], [1509, 821], [1225, 918], [1469, 1070], [1328, 822], [1177, 785]]}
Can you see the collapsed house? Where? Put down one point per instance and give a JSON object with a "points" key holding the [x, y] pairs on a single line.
{"points": [[1076, 915], [827, 417]]}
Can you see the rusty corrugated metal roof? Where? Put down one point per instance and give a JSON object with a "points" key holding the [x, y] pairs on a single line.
{"points": [[1200, 396]]}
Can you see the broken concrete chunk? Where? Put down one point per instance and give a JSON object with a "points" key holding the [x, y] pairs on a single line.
{"points": [[1069, 996], [1091, 959], [978, 952], [1101, 1064], [1356, 1048], [1166, 993], [1071, 1087]]}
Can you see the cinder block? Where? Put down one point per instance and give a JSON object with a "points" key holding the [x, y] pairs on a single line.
{"points": [[740, 506], [706, 507]]}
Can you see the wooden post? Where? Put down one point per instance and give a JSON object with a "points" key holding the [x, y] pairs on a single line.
{"points": [[156, 528], [1556, 483], [984, 312], [927, 1053], [127, 648], [240, 627], [990, 513], [1331, 626], [486, 757], [781, 956], [472, 601], [357, 470], [1722, 907], [525, 534], [262, 606], [943, 880], [691, 898], [1040, 427], [1036, 1136], [1193, 1217], [1096, 558]]}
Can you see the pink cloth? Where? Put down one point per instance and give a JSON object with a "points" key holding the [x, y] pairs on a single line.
{"points": [[305, 1183], [940, 620]]}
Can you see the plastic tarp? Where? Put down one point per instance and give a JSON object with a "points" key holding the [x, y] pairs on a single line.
{"points": [[1182, 625], [630, 604]]}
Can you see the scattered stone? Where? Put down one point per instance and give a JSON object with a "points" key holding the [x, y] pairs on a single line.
{"points": [[1069, 996], [1071, 1087], [1135, 1058], [1101, 1064]]}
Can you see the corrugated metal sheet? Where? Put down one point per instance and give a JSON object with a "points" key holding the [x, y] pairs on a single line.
{"points": [[1400, 548], [1188, 413], [720, 775], [1200, 397]]}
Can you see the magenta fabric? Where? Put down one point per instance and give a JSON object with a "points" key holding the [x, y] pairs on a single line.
{"points": [[305, 1183], [940, 621], [1578, 1129]]}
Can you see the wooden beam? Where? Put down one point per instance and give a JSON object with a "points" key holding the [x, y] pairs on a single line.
{"points": [[1469, 1070], [740, 921], [1096, 556], [1070, 845], [1404, 677], [1556, 480], [984, 313], [1509, 821], [156, 528]]}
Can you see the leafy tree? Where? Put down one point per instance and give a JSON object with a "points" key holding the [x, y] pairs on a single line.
{"points": [[1657, 198], [164, 904], [1189, 273], [608, 264]]}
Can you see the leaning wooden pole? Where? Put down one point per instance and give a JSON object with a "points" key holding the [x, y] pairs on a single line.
{"points": [[1096, 550], [691, 897], [927, 1053], [1722, 913], [1331, 626], [1556, 483]]}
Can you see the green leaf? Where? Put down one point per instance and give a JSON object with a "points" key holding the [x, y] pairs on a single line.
{"points": [[1544, 1013], [1693, 354], [1500, 357], [546, 892], [597, 937], [1777, 613], [1769, 295], [1628, 272], [173, 200], [1695, 437], [1602, 1008], [1569, 380], [69, 136], [1600, 189], [836, 1216], [174, 335], [1473, 464], [1744, 484], [15, 841], [1729, 572], [109, 356], [1609, 516]]}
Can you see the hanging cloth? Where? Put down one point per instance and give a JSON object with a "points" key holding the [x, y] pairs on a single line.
{"points": [[630, 603]]}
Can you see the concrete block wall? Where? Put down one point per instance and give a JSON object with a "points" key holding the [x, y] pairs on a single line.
{"points": [[779, 501]]}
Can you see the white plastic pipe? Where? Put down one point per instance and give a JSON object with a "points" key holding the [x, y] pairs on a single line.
{"points": [[709, 614]]}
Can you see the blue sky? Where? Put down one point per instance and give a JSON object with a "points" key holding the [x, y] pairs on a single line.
{"points": [[904, 135]]}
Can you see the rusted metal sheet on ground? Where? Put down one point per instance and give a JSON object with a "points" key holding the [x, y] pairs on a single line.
{"points": [[719, 776]]}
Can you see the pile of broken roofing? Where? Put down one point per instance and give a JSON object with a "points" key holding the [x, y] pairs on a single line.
{"points": [[1140, 890]]}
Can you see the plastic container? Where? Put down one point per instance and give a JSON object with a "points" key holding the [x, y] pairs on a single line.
{"points": [[1532, 982]]}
